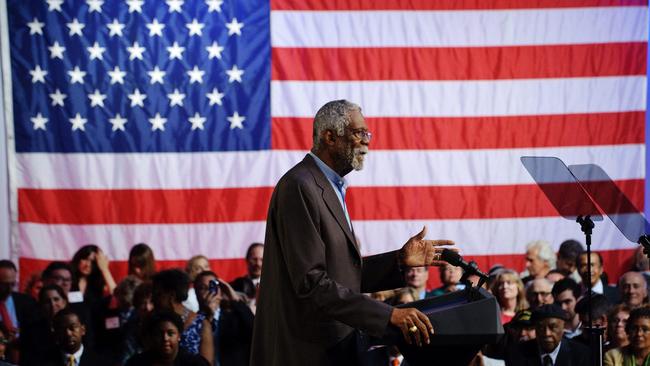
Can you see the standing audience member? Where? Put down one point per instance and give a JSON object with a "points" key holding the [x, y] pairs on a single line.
{"points": [[416, 278], [163, 336], [599, 309], [69, 331], [449, 277], [249, 284], [16, 310], [567, 256], [540, 259], [509, 291], [194, 266], [597, 284], [633, 289], [642, 263], [142, 308], [4, 340], [638, 350], [616, 322], [51, 300], [168, 293], [539, 292], [91, 274], [142, 262], [231, 319], [566, 294], [60, 274], [33, 286], [549, 347], [555, 275]]}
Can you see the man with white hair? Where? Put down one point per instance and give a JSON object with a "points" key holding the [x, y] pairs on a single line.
{"points": [[633, 289], [540, 259]]}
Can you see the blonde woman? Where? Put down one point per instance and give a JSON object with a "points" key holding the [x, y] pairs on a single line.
{"points": [[509, 291]]}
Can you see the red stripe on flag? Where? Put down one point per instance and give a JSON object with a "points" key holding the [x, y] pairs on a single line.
{"points": [[470, 63], [134, 206], [479, 132], [228, 205], [228, 269], [444, 4]]}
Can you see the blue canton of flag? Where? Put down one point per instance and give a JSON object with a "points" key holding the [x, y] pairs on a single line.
{"points": [[140, 76]]}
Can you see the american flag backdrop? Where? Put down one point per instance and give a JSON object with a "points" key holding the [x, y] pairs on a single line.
{"points": [[169, 122]]}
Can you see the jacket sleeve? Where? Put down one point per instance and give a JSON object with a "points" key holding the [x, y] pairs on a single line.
{"points": [[304, 251], [381, 272]]}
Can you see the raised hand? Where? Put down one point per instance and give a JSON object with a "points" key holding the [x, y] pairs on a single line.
{"points": [[418, 252]]}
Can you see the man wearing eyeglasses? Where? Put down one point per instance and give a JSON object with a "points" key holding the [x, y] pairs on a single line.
{"points": [[538, 293], [311, 306]]}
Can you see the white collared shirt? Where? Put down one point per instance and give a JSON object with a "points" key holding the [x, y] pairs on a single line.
{"points": [[553, 354], [77, 356], [598, 287]]}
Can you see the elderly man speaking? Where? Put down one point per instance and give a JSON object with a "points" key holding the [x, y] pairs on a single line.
{"points": [[310, 305]]}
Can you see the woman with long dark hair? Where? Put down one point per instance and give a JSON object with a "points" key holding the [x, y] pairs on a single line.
{"points": [[142, 262], [92, 276]]}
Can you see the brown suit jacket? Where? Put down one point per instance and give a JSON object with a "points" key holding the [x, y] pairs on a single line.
{"points": [[314, 276]]}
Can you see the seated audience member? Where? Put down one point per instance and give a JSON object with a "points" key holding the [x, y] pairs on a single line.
{"points": [[509, 292], [403, 296], [168, 293], [637, 352], [60, 274], [417, 277], [142, 262], [633, 289], [449, 277], [194, 266], [567, 256], [599, 309], [555, 275], [4, 340], [616, 322], [549, 347], [33, 286], [540, 259], [566, 294], [248, 284], [597, 284], [539, 292], [69, 332], [142, 308], [16, 310], [91, 274], [163, 336], [231, 319]]}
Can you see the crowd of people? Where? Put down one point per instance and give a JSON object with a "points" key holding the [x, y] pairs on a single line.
{"points": [[75, 313]]}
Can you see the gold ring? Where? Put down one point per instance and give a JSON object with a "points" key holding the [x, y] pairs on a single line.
{"points": [[413, 329]]}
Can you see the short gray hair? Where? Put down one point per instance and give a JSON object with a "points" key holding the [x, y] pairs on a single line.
{"points": [[335, 116], [544, 251]]}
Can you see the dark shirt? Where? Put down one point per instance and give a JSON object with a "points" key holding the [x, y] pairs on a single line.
{"points": [[182, 359]]}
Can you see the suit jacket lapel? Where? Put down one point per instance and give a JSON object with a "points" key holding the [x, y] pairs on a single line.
{"points": [[331, 201]]}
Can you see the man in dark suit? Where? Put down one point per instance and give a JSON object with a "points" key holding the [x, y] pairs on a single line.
{"points": [[550, 348], [311, 305], [597, 284], [248, 284], [70, 351]]}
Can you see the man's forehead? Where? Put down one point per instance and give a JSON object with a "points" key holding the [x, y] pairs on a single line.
{"points": [[357, 121]]}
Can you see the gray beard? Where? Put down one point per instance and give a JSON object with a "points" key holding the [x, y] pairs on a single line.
{"points": [[354, 158]]}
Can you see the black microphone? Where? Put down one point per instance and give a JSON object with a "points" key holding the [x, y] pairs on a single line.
{"points": [[455, 259]]}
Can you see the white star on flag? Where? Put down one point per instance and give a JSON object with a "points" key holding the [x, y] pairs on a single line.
{"points": [[195, 27], [95, 5], [54, 5], [196, 75], [78, 123], [38, 75], [57, 98], [95, 52], [39, 122], [156, 75], [234, 27], [176, 98], [76, 75], [135, 51], [75, 27], [117, 75], [234, 74], [197, 121], [96, 99], [115, 28], [214, 50], [214, 5], [135, 5], [236, 121], [137, 99], [175, 51], [215, 97], [118, 122], [56, 50], [157, 122], [35, 27], [155, 28], [174, 5]]}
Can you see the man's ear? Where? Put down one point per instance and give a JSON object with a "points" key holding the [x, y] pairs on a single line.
{"points": [[329, 137]]}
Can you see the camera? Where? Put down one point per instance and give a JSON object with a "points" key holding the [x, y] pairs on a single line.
{"points": [[213, 286]]}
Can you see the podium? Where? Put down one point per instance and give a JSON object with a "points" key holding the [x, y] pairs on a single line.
{"points": [[463, 321]]}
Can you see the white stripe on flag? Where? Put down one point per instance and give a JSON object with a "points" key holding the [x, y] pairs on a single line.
{"points": [[458, 28], [264, 169]]}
